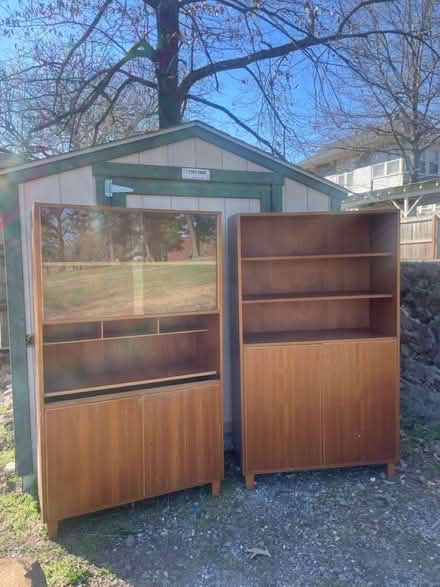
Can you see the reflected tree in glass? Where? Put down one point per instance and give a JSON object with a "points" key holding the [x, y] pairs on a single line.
{"points": [[99, 264]]}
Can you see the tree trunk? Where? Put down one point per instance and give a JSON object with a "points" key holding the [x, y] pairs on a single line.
{"points": [[195, 251], [166, 59]]}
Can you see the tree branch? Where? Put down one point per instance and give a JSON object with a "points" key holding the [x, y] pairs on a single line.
{"points": [[241, 62], [236, 120]]}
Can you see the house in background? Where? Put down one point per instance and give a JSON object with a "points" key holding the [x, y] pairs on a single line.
{"points": [[373, 170]]}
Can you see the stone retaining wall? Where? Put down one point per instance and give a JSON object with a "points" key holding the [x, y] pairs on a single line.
{"points": [[420, 339]]}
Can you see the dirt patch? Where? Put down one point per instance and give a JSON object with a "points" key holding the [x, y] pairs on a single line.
{"points": [[342, 527]]}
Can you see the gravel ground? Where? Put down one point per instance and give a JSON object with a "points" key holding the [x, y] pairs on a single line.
{"points": [[334, 528]]}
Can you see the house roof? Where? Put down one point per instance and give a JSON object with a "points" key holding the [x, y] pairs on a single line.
{"points": [[347, 148], [112, 150]]}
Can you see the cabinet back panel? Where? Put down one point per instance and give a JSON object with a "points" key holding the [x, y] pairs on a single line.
{"points": [[301, 235], [383, 317], [385, 232], [306, 276], [306, 315]]}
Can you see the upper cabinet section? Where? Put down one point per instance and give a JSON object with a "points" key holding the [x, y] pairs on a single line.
{"points": [[328, 235], [101, 263]]}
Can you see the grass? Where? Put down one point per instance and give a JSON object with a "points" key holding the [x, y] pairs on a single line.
{"points": [[23, 534], [18, 512], [169, 286], [6, 456]]}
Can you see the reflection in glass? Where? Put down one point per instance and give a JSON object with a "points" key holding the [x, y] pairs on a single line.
{"points": [[114, 263]]}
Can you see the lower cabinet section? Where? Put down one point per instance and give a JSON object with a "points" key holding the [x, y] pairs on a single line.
{"points": [[320, 405], [104, 453]]}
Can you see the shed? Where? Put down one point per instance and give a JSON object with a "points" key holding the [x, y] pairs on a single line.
{"points": [[189, 167]]}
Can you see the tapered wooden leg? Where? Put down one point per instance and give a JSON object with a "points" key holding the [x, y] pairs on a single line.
{"points": [[391, 468], [250, 479], [215, 488], [52, 529]]}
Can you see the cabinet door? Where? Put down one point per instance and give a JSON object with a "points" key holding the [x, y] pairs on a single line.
{"points": [[379, 384], [360, 402], [183, 439], [93, 454], [283, 407], [341, 405]]}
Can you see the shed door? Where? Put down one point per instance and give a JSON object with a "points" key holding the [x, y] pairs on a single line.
{"points": [[228, 207]]}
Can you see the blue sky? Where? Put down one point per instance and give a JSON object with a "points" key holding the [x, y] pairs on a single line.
{"points": [[231, 88]]}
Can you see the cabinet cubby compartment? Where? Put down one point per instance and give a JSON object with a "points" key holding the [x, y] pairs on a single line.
{"points": [[317, 310], [71, 332], [128, 320], [129, 327], [176, 324]]}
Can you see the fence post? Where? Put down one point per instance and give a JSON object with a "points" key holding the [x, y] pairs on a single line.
{"points": [[435, 236]]}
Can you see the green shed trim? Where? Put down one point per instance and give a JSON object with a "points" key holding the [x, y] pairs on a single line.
{"points": [[186, 131], [165, 172], [156, 180], [10, 209]]}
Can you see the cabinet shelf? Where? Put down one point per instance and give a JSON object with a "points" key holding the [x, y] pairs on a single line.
{"points": [[301, 336], [317, 257], [314, 297], [62, 384], [82, 340]]}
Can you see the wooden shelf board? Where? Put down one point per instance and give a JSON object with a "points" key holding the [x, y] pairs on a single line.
{"points": [[314, 297], [131, 317], [103, 381], [301, 336], [313, 257], [195, 330]]}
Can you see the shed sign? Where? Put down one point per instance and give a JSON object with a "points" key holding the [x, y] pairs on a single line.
{"points": [[193, 173]]}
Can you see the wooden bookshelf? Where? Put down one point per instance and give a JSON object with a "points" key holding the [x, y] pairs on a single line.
{"points": [[316, 377], [126, 300]]}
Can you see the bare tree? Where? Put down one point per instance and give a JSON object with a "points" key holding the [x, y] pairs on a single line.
{"points": [[388, 97], [79, 60]]}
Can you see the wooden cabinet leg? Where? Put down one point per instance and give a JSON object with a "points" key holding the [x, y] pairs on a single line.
{"points": [[215, 488], [250, 479], [391, 468], [52, 529]]}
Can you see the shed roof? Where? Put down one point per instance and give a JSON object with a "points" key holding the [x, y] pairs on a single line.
{"points": [[151, 140]]}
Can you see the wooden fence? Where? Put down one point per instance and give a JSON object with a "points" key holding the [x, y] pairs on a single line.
{"points": [[419, 238]]}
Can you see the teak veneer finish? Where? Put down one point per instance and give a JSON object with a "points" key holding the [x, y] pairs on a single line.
{"points": [[128, 406], [316, 375]]}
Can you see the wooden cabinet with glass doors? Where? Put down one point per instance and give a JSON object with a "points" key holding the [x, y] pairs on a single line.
{"points": [[128, 333]]}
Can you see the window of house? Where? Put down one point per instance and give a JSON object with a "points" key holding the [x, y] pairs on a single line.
{"points": [[393, 167], [345, 179], [388, 168], [433, 163], [379, 170]]}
